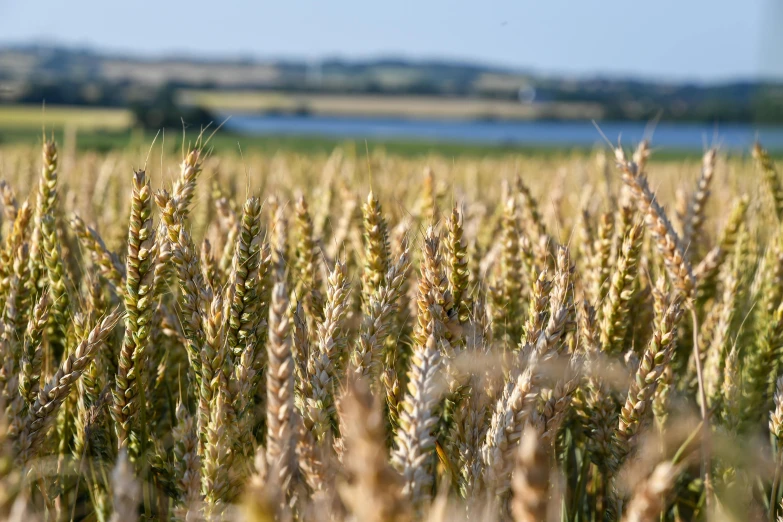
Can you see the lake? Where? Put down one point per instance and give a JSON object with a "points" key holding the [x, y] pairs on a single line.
{"points": [[524, 133]]}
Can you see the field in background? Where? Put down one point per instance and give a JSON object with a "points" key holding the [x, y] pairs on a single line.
{"points": [[386, 106], [25, 117]]}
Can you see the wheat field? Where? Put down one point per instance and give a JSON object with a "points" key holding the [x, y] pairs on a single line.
{"points": [[381, 338]]}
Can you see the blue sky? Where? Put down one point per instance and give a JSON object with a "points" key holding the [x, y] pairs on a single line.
{"points": [[667, 39]]}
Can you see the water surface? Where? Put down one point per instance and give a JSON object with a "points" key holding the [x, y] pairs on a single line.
{"points": [[524, 133]]}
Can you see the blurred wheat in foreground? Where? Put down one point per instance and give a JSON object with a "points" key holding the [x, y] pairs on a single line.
{"points": [[292, 338]]}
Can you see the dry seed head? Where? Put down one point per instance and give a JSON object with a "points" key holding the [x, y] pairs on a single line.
{"points": [[665, 237], [734, 222], [187, 462], [244, 274], [511, 270], [185, 185], [127, 491], [428, 204], [649, 499], [280, 388], [642, 154], [307, 266], [324, 362], [615, 318], [695, 216], [654, 361], [107, 262], [47, 186], [32, 354], [373, 490], [730, 391], [716, 350], [47, 199], [557, 407], [55, 269], [193, 296], [537, 309], [433, 294], [376, 244], [533, 220], [548, 340], [44, 409], [377, 321], [507, 425], [776, 415], [530, 480], [10, 205], [279, 238], [457, 262], [771, 176], [414, 450], [218, 454], [601, 266], [140, 269]]}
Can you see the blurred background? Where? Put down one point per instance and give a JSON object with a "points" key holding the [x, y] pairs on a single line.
{"points": [[407, 74]]}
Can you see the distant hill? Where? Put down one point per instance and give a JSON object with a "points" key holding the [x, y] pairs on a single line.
{"points": [[31, 73], [42, 63]]}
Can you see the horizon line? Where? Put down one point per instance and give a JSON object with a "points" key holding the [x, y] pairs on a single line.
{"points": [[255, 58]]}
